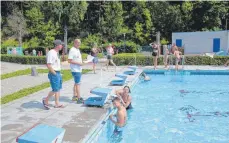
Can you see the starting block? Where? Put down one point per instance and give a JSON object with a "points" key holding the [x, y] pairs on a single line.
{"points": [[42, 133]]}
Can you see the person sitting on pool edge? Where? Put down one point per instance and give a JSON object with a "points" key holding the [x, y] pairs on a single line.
{"points": [[125, 97], [120, 120], [146, 78]]}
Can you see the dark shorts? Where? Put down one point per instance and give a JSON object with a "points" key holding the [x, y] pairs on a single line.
{"points": [[109, 57], [129, 107], [178, 60], [77, 77], [154, 54], [95, 60], [55, 81]]}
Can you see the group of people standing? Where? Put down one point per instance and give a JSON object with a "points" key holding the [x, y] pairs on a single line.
{"points": [[76, 63], [174, 51], [122, 101], [55, 77]]}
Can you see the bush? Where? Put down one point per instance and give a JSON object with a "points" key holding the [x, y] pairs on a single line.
{"points": [[129, 59], [127, 47], [8, 43], [24, 59]]}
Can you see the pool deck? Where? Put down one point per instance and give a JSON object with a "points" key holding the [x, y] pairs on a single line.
{"points": [[78, 120]]}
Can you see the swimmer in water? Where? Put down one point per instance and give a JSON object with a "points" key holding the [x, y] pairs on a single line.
{"points": [[146, 78]]}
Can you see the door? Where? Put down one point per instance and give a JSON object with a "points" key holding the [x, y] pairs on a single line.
{"points": [[216, 44], [179, 42]]}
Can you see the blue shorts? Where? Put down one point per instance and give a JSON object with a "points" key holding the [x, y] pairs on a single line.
{"points": [[118, 129], [77, 77], [95, 60], [55, 81]]}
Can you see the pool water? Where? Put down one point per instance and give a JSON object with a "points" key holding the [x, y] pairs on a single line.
{"points": [[176, 109]]}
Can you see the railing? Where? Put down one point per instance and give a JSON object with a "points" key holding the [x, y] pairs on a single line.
{"points": [[171, 61], [102, 66], [183, 62]]}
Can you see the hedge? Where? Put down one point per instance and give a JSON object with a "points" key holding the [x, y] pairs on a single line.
{"points": [[29, 59], [125, 59], [129, 59]]}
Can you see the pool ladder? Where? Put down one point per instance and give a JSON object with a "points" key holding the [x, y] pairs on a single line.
{"points": [[171, 62]]}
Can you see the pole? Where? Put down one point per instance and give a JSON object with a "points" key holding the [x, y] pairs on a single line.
{"points": [[124, 43], [226, 24], [65, 39]]}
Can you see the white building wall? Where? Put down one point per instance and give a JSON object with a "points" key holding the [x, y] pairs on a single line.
{"points": [[201, 42], [228, 41]]}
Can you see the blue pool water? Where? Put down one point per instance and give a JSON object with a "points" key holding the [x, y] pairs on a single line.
{"points": [[176, 109]]}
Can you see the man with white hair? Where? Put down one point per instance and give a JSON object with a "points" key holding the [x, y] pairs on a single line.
{"points": [[75, 60]]}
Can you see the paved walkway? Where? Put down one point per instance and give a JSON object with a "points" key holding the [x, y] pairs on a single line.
{"points": [[14, 84], [7, 67], [11, 67], [21, 114]]}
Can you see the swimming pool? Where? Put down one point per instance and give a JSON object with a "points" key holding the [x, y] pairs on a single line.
{"points": [[176, 108]]}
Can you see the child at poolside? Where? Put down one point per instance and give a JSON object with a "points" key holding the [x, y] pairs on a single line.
{"points": [[178, 57]]}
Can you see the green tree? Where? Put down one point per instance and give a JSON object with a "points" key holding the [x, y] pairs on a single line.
{"points": [[140, 21], [68, 14], [44, 31], [112, 21], [208, 15], [17, 24]]}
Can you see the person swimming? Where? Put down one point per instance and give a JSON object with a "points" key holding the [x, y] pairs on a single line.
{"points": [[125, 97], [146, 78]]}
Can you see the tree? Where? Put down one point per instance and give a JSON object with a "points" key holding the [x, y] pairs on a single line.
{"points": [[112, 20], [68, 13], [208, 15], [140, 21], [17, 24], [167, 18], [38, 27]]}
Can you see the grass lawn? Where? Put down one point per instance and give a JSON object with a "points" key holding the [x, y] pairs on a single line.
{"points": [[21, 72]]}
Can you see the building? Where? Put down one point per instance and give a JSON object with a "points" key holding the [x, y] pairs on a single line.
{"points": [[202, 42]]}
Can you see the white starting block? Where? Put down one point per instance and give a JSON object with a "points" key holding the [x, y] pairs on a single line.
{"points": [[42, 134]]}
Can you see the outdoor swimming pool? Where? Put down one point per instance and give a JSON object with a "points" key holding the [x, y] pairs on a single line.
{"points": [[176, 108]]}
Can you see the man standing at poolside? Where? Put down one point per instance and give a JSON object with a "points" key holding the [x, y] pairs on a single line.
{"points": [[75, 60], [53, 64]]}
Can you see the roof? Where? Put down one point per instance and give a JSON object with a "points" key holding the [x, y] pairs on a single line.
{"points": [[203, 31]]}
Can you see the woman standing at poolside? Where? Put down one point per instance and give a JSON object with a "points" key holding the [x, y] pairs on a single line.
{"points": [[110, 52], [94, 52], [155, 53], [125, 97]]}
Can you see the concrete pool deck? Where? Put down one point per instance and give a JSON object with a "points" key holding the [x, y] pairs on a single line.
{"points": [[19, 115], [78, 120]]}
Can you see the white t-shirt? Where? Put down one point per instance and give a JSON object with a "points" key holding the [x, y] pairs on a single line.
{"points": [[54, 60], [75, 55], [110, 50]]}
